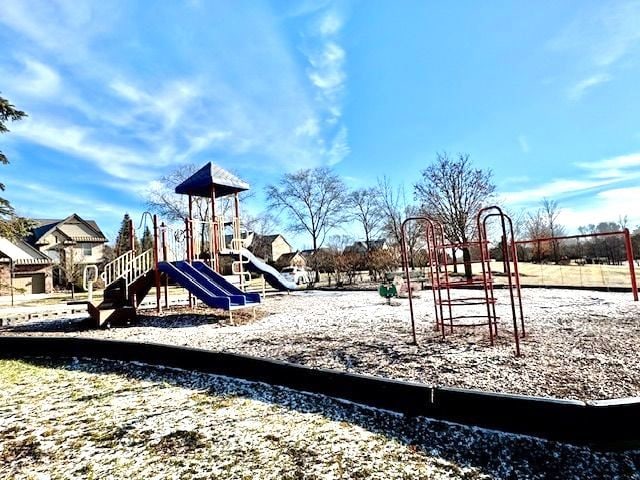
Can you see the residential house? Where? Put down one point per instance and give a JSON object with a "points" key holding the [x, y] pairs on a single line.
{"points": [[268, 247], [322, 259], [291, 259], [360, 247], [24, 268], [71, 242]]}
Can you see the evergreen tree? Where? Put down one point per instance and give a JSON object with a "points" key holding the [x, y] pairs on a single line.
{"points": [[147, 239], [10, 225], [123, 240]]}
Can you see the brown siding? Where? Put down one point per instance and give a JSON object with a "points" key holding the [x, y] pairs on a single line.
{"points": [[24, 278], [279, 247]]}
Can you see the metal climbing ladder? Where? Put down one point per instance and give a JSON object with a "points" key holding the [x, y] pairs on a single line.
{"points": [[453, 295]]}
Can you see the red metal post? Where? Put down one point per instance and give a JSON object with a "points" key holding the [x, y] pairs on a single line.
{"points": [[132, 236], [156, 261], [632, 268], [510, 251], [482, 232], [514, 253], [188, 232], [234, 225], [163, 229], [215, 245], [510, 281], [434, 273], [439, 243], [405, 262]]}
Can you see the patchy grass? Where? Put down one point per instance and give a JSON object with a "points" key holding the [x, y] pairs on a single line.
{"points": [[180, 442], [575, 275], [100, 419]]}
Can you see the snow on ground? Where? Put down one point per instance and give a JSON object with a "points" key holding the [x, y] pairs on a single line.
{"points": [[579, 345], [100, 419]]}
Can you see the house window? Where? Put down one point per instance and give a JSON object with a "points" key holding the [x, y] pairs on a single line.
{"points": [[86, 250]]}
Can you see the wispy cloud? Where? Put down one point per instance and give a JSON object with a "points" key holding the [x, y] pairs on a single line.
{"points": [[602, 35], [607, 205], [577, 91], [32, 78], [35, 199], [604, 187], [339, 147], [326, 63], [524, 144], [117, 161], [65, 27], [557, 188], [613, 164], [597, 39], [326, 73], [117, 118]]}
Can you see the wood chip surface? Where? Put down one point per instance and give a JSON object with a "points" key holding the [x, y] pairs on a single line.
{"points": [[579, 344]]}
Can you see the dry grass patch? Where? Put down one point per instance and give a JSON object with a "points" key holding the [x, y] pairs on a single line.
{"points": [[114, 420]]}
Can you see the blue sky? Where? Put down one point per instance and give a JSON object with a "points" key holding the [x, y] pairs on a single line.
{"points": [[120, 93]]}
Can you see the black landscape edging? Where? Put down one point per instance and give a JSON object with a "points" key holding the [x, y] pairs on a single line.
{"points": [[603, 424]]}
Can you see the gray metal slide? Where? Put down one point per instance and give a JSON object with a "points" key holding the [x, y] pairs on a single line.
{"points": [[271, 275]]}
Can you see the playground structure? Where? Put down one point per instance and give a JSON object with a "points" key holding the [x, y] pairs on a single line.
{"points": [[450, 305], [444, 284], [190, 256]]}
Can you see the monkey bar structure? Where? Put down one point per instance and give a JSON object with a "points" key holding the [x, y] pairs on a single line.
{"points": [[453, 295]]}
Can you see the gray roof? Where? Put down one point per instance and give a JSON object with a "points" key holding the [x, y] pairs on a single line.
{"points": [[46, 226], [22, 253], [209, 177], [289, 256], [361, 245]]}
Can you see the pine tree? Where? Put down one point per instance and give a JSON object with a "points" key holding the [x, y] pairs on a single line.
{"points": [[123, 240], [10, 224], [147, 239]]}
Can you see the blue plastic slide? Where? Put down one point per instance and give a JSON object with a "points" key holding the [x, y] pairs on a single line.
{"points": [[212, 293], [271, 275], [222, 282]]}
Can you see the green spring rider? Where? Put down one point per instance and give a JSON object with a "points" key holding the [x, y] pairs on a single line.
{"points": [[388, 288]]}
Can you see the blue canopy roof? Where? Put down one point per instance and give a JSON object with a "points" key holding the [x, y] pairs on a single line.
{"points": [[224, 183]]}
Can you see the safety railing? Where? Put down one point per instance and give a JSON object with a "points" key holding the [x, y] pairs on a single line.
{"points": [[128, 266]]}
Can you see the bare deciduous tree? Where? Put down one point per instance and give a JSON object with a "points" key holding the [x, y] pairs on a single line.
{"points": [[392, 204], [395, 209], [551, 212], [264, 223], [71, 265], [313, 201], [452, 191], [366, 212], [163, 200], [536, 227], [544, 223]]}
